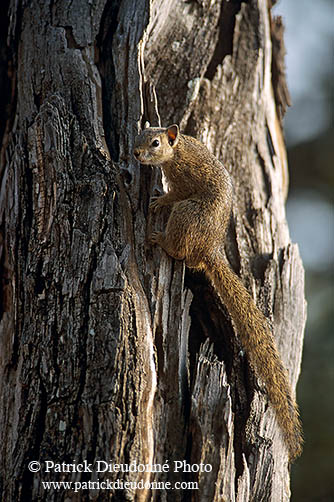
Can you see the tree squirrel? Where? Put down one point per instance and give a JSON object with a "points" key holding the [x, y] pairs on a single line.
{"points": [[200, 196]]}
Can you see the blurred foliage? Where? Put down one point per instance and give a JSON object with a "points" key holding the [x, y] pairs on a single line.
{"points": [[311, 165], [312, 475]]}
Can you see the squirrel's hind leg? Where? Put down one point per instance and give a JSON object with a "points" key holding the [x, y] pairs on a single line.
{"points": [[184, 237], [161, 239]]}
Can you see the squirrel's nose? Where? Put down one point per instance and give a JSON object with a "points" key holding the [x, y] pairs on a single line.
{"points": [[136, 153]]}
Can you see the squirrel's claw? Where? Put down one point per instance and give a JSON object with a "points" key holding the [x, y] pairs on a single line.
{"points": [[155, 237], [154, 204]]}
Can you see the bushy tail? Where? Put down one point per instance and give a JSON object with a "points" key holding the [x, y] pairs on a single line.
{"points": [[257, 340]]}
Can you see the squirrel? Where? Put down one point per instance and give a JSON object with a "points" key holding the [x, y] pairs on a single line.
{"points": [[200, 196]]}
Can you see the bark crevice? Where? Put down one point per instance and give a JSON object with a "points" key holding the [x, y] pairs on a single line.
{"points": [[224, 45]]}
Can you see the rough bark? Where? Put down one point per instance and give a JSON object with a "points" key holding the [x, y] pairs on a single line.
{"points": [[110, 350]]}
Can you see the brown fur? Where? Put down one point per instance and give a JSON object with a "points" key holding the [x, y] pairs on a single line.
{"points": [[200, 196]]}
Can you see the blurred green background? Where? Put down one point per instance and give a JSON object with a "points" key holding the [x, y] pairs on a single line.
{"points": [[310, 211]]}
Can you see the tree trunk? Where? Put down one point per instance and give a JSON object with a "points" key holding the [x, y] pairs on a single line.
{"points": [[110, 350]]}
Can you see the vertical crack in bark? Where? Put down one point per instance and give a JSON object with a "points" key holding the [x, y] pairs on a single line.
{"points": [[7, 81], [211, 320], [105, 64], [150, 112], [7, 113], [224, 44], [5, 289], [266, 177], [24, 489]]}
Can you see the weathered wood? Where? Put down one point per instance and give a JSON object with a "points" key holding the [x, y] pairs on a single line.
{"points": [[110, 350]]}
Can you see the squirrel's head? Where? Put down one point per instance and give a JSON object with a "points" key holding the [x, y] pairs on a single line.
{"points": [[156, 145]]}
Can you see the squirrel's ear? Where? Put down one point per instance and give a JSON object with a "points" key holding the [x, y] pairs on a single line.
{"points": [[173, 134]]}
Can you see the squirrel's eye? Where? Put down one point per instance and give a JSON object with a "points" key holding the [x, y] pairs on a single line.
{"points": [[155, 143]]}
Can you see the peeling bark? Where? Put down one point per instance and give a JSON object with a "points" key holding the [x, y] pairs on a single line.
{"points": [[110, 350]]}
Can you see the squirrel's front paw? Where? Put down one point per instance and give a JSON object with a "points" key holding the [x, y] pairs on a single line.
{"points": [[156, 237], [155, 204]]}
